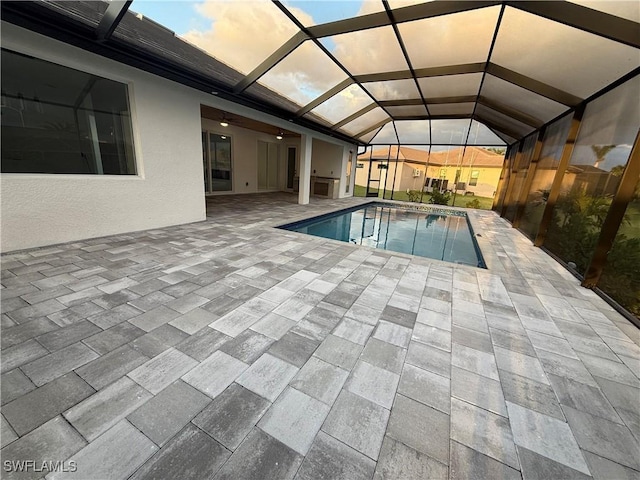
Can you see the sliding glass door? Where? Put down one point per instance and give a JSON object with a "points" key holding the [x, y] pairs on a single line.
{"points": [[216, 162]]}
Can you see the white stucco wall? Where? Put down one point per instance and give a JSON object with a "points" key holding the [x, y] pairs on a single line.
{"points": [[42, 210], [38, 210], [244, 155]]}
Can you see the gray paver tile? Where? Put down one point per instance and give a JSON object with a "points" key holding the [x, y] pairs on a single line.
{"points": [[203, 343], [113, 337], [109, 318], [268, 376], [539, 467], [357, 422], [604, 469], [159, 372], [295, 419], [54, 365], [232, 415], [215, 374], [187, 303], [604, 438], [27, 330], [384, 355], [190, 454], [410, 419], [429, 358], [63, 337], [512, 341], [483, 431], [108, 368], [168, 412], [399, 316], [320, 380], [472, 338], [354, 331], [584, 397], [618, 372], [7, 435], [433, 336], [425, 387], [475, 361], [38, 310], [259, 457], [114, 299], [520, 364], [53, 440], [248, 346], [565, 367], [546, 436], [294, 349], [18, 355], [625, 400], [151, 300], [14, 384], [194, 320], [338, 351], [40, 405], [235, 322], [399, 461], [154, 318], [434, 319], [393, 334], [116, 454], [330, 458], [96, 414], [363, 313], [478, 390], [373, 383], [314, 331], [273, 326], [530, 394], [469, 464]]}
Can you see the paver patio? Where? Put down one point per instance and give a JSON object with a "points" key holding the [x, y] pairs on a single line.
{"points": [[230, 349]]}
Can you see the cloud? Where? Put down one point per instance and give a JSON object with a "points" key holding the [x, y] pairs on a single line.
{"points": [[241, 34]]}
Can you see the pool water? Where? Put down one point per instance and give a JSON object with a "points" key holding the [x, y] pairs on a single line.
{"points": [[433, 233]]}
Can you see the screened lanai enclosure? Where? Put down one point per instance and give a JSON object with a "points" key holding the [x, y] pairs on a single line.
{"points": [[554, 83]]}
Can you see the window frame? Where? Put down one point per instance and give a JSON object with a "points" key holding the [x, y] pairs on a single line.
{"points": [[84, 62]]}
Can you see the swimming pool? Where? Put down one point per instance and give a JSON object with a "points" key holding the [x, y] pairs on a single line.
{"points": [[427, 232]]}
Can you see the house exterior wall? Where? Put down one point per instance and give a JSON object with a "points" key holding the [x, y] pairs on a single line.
{"points": [[168, 189], [40, 209], [487, 180]]}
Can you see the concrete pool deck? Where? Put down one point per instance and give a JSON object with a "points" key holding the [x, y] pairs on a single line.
{"points": [[231, 349]]}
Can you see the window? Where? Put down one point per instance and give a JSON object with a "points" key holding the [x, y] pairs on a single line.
{"points": [[60, 120], [360, 165], [473, 180], [217, 162]]}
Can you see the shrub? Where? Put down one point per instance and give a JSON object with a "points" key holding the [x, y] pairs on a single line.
{"points": [[414, 195], [475, 203], [440, 198]]}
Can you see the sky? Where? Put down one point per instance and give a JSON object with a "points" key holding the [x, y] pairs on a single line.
{"points": [[243, 33]]}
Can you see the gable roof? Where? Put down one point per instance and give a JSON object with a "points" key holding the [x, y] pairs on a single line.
{"points": [[473, 156]]}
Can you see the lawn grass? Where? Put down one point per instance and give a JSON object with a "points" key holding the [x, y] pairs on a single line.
{"points": [[460, 201]]}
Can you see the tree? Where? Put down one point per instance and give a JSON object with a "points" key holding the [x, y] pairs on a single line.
{"points": [[601, 151], [499, 151]]}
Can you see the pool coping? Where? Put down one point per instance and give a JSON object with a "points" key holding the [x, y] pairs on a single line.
{"points": [[409, 206]]}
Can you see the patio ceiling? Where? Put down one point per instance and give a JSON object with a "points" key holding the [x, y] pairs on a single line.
{"points": [[405, 71]]}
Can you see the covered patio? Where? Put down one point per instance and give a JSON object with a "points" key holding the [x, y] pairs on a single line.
{"points": [[230, 349]]}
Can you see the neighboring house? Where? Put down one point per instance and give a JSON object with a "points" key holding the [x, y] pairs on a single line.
{"points": [[402, 168]]}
